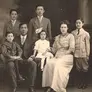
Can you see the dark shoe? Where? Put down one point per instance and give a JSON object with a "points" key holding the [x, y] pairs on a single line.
{"points": [[31, 89], [79, 86], [21, 78], [49, 90], [13, 90], [84, 86]]}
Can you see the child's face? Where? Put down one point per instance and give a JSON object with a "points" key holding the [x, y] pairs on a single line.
{"points": [[10, 37], [13, 15], [40, 10], [24, 29], [43, 35], [79, 24]]}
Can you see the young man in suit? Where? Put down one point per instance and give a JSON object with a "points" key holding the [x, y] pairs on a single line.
{"points": [[23, 40], [12, 25], [39, 23]]}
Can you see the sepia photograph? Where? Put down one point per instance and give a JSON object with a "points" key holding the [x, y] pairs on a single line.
{"points": [[45, 46]]}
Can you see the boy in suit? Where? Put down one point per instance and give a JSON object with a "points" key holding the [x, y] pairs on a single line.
{"points": [[12, 54], [13, 24], [82, 53], [39, 23], [23, 40]]}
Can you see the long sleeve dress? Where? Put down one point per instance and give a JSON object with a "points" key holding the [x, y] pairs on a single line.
{"points": [[57, 69]]}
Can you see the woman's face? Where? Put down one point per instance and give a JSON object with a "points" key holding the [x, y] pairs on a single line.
{"points": [[63, 28], [79, 24]]}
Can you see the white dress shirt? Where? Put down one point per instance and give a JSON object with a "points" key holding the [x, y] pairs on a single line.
{"points": [[40, 18], [13, 22], [23, 38]]}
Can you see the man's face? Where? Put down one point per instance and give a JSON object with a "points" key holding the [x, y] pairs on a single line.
{"points": [[10, 37], [40, 11], [13, 15], [24, 29]]}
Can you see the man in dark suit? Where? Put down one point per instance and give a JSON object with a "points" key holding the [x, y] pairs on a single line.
{"points": [[12, 25], [39, 23], [23, 40]]}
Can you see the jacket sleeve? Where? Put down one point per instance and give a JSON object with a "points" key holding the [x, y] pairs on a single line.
{"points": [[19, 50], [30, 28], [49, 30], [87, 40], [5, 51], [4, 30]]}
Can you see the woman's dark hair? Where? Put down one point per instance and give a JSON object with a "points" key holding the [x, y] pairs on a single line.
{"points": [[67, 23], [13, 10], [64, 22], [81, 19], [22, 24], [8, 33]]}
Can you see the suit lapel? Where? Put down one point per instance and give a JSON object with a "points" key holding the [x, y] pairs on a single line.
{"points": [[10, 24], [25, 43], [16, 23], [42, 22], [37, 23]]}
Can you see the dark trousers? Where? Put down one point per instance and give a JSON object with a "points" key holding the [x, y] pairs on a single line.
{"points": [[81, 70], [32, 68]]}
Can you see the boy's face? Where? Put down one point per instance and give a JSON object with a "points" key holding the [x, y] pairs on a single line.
{"points": [[24, 29], [79, 24], [13, 15], [10, 37], [43, 35], [40, 11]]}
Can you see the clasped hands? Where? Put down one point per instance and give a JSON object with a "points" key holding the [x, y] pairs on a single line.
{"points": [[16, 57]]}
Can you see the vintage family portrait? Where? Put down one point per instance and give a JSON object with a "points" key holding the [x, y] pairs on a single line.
{"points": [[45, 46]]}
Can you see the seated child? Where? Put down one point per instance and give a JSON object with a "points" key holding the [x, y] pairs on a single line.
{"points": [[12, 54], [42, 48]]}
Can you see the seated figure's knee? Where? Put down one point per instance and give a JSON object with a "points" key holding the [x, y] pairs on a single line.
{"points": [[32, 64], [10, 65]]}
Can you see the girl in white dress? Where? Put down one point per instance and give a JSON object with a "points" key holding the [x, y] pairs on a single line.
{"points": [[42, 48]]}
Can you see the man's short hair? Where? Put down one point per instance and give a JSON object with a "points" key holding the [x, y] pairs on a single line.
{"points": [[22, 24], [39, 5], [13, 10]]}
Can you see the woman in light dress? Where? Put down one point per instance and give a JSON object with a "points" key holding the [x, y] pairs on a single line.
{"points": [[57, 69]]}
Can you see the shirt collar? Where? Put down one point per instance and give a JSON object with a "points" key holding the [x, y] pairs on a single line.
{"points": [[40, 17], [13, 21], [23, 36]]}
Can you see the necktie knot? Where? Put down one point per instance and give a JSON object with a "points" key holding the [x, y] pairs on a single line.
{"points": [[78, 31]]}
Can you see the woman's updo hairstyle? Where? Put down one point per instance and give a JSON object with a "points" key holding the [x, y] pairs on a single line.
{"points": [[64, 22], [67, 23]]}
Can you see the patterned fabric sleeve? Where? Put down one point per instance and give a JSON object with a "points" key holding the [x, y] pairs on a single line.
{"points": [[87, 40], [71, 43]]}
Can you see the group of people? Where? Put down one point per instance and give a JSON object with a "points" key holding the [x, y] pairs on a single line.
{"points": [[25, 45]]}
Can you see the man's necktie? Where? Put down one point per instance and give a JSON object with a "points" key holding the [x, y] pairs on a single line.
{"points": [[23, 40], [78, 31]]}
